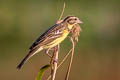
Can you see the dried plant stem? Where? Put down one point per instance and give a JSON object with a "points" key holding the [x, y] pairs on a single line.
{"points": [[71, 60], [54, 69], [65, 57], [55, 54], [62, 12]]}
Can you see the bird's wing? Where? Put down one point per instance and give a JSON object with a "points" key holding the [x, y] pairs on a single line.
{"points": [[50, 35], [47, 37]]}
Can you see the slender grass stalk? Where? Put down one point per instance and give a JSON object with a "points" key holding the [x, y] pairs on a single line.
{"points": [[65, 57], [62, 12], [53, 73], [71, 60]]}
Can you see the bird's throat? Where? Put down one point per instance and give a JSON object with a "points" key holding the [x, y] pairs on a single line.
{"points": [[70, 26]]}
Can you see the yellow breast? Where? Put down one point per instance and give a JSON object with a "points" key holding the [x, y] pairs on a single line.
{"points": [[60, 39]]}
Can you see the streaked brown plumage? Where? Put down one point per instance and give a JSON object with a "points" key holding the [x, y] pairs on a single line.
{"points": [[52, 37]]}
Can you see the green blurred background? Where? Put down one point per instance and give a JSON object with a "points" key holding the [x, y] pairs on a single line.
{"points": [[97, 54]]}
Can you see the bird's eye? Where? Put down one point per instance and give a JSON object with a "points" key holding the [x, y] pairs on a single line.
{"points": [[75, 19]]}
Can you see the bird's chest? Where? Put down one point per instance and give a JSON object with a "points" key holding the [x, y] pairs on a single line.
{"points": [[64, 34], [66, 31], [60, 39]]}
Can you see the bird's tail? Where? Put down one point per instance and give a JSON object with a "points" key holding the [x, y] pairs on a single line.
{"points": [[28, 56]]}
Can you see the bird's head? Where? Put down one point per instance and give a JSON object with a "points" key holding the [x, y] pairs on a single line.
{"points": [[72, 20]]}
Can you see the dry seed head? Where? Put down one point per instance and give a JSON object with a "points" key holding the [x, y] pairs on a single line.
{"points": [[76, 31]]}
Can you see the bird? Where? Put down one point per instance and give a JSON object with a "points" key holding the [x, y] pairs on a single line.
{"points": [[52, 37]]}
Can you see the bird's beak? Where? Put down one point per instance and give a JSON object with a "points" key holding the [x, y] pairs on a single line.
{"points": [[79, 21]]}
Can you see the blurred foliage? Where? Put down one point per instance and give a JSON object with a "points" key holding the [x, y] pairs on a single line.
{"points": [[97, 53]]}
